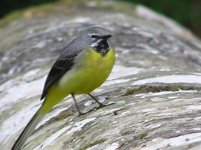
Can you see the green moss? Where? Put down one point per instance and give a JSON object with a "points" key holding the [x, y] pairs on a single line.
{"points": [[41, 10], [92, 144], [127, 132], [143, 135], [117, 7], [27, 13], [157, 88], [11, 17], [138, 136]]}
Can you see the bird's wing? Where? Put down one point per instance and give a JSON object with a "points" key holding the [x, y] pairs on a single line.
{"points": [[62, 65]]}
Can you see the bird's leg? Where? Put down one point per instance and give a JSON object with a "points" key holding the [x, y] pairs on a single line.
{"points": [[76, 105], [99, 103]]}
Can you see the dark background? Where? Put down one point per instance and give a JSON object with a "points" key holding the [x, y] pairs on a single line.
{"points": [[185, 12]]}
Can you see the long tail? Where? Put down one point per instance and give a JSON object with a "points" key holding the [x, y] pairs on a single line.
{"points": [[28, 129]]}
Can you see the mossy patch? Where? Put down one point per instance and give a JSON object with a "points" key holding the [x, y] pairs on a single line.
{"points": [[127, 131], [143, 135], [93, 144], [132, 132], [26, 13], [33, 11], [157, 88]]}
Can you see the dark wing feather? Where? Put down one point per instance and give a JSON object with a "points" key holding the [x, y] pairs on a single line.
{"points": [[63, 64]]}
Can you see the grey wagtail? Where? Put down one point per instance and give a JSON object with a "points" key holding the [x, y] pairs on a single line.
{"points": [[83, 65]]}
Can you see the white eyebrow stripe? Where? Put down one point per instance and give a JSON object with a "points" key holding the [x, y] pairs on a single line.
{"points": [[90, 34]]}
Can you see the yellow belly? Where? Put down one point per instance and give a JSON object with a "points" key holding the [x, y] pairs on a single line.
{"points": [[91, 69]]}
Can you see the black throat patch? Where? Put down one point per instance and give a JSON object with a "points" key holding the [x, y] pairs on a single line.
{"points": [[101, 46]]}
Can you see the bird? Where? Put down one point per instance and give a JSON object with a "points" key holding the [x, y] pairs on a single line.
{"points": [[82, 66]]}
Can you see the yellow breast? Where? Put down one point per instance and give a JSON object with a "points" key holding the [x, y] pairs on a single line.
{"points": [[91, 69]]}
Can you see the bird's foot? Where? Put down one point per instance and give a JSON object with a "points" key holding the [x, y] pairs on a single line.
{"points": [[84, 113], [81, 114], [101, 105]]}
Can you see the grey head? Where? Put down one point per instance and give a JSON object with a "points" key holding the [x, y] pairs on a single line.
{"points": [[97, 38]]}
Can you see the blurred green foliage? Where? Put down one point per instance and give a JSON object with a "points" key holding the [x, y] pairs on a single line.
{"points": [[185, 12], [7, 6]]}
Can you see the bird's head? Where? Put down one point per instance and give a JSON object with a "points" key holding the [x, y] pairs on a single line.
{"points": [[98, 38]]}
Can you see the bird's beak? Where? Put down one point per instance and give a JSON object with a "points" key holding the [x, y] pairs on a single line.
{"points": [[105, 37]]}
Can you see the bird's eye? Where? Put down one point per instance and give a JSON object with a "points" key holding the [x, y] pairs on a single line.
{"points": [[94, 35]]}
